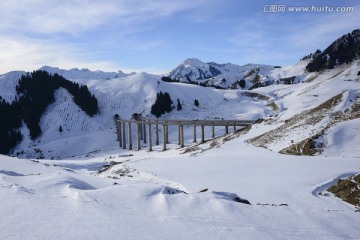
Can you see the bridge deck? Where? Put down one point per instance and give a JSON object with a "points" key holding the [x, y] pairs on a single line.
{"points": [[144, 126]]}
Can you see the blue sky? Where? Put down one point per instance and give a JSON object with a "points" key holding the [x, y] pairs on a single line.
{"points": [[156, 35]]}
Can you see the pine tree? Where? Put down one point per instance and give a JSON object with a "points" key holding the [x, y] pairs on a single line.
{"points": [[179, 107], [163, 103], [242, 83], [196, 103]]}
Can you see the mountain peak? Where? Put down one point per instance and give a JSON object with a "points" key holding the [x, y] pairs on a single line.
{"points": [[192, 62]]}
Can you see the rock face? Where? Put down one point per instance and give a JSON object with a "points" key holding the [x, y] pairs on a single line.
{"points": [[344, 50], [348, 190]]}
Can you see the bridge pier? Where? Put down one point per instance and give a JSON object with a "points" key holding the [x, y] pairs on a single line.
{"points": [[202, 134], [123, 135], [149, 137], [144, 131], [181, 135], [138, 136], [167, 133], [141, 131], [156, 134], [194, 128], [129, 136], [118, 131], [164, 140]]}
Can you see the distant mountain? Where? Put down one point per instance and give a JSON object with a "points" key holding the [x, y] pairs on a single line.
{"points": [[225, 76], [75, 73], [344, 50]]}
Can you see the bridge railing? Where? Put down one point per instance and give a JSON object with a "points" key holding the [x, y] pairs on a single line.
{"points": [[144, 130]]}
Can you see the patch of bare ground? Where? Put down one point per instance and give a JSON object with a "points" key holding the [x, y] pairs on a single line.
{"points": [[348, 190], [256, 79], [256, 96], [273, 106], [249, 73], [215, 142], [311, 77]]}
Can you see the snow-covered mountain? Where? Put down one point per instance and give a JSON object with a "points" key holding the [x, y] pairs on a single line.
{"points": [[124, 94], [227, 75], [136, 93], [78, 74]]}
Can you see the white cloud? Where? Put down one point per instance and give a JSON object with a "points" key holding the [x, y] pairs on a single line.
{"points": [[319, 32], [73, 16], [28, 55], [42, 32], [285, 38]]}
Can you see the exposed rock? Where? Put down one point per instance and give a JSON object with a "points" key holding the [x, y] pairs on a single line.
{"points": [[348, 190]]}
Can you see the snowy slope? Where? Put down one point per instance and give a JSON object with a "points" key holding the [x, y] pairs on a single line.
{"points": [[294, 100], [142, 196], [340, 140]]}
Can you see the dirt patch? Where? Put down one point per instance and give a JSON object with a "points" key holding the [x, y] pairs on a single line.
{"points": [[256, 96], [348, 190], [305, 147], [273, 107], [311, 78], [192, 149], [249, 73]]}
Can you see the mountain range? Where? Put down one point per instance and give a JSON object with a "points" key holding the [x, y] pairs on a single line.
{"points": [[283, 97]]}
